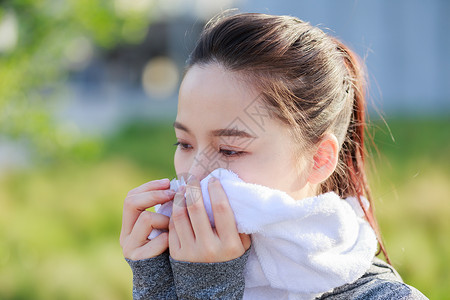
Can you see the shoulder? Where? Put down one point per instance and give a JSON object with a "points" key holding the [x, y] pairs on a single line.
{"points": [[381, 281]]}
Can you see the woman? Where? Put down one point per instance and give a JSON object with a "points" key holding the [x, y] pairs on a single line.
{"points": [[268, 104]]}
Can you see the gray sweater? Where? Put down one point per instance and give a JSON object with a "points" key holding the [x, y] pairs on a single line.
{"points": [[162, 277]]}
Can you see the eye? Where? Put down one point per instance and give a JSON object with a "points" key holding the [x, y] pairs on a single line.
{"points": [[231, 153], [183, 146]]}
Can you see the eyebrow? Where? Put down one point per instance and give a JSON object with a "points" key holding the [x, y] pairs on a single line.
{"points": [[218, 132], [181, 126]]}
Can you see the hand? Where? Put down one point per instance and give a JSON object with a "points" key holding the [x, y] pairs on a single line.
{"points": [[191, 237], [137, 222]]}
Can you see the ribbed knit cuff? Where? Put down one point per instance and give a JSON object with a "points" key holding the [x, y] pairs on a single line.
{"points": [[152, 278], [222, 280]]}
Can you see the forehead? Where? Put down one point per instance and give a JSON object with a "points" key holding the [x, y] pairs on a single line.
{"points": [[212, 86], [212, 96]]}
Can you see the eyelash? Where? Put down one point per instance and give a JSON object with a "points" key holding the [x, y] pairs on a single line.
{"points": [[186, 147]]}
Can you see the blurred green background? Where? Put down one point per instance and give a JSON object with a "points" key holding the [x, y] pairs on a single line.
{"points": [[61, 200], [60, 224]]}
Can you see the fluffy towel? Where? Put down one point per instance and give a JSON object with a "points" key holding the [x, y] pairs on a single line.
{"points": [[300, 248]]}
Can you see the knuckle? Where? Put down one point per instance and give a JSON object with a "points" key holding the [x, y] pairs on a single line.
{"points": [[164, 238], [221, 207], [175, 253], [127, 252], [195, 207], [209, 251], [233, 252], [146, 216], [159, 195], [235, 246], [130, 202], [155, 197], [133, 256], [131, 192], [178, 215], [232, 243]]}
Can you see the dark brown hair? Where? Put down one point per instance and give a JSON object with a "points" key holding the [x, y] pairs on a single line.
{"points": [[310, 80]]}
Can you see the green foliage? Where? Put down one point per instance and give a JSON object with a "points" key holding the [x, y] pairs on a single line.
{"points": [[59, 225], [32, 72]]}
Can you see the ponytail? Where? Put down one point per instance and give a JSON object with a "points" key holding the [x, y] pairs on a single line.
{"points": [[353, 149]]}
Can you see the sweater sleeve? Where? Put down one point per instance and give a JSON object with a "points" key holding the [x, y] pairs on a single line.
{"points": [[381, 281], [223, 280], [152, 278]]}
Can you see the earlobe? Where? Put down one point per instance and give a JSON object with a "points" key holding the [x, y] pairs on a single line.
{"points": [[325, 159]]}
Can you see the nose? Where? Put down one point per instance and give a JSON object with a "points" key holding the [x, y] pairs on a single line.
{"points": [[204, 162], [200, 167]]}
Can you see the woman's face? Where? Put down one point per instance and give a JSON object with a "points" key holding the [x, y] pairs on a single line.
{"points": [[221, 122]]}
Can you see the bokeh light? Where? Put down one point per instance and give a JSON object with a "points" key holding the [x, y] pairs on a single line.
{"points": [[8, 32], [78, 53], [160, 78]]}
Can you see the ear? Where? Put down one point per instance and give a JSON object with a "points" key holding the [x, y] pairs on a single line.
{"points": [[325, 159]]}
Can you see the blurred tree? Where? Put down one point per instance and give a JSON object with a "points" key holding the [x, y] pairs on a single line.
{"points": [[41, 41]]}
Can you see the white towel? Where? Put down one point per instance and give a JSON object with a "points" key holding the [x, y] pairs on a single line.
{"points": [[300, 248]]}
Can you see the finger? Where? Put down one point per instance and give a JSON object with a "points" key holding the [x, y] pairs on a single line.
{"points": [[174, 241], [181, 220], [135, 204], [150, 186], [223, 214], [151, 249], [144, 225], [197, 212]]}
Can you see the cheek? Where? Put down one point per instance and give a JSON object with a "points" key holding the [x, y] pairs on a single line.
{"points": [[259, 170], [180, 163], [274, 171]]}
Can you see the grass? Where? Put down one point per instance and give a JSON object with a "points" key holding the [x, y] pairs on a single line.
{"points": [[411, 190], [59, 225]]}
